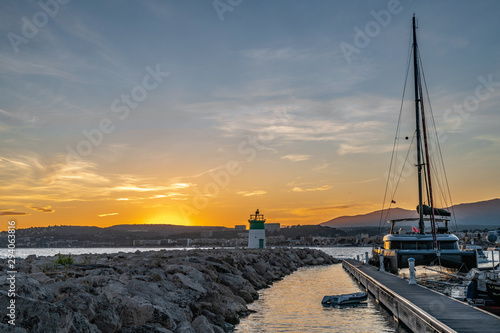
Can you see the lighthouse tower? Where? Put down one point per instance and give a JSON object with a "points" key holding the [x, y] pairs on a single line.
{"points": [[257, 232]]}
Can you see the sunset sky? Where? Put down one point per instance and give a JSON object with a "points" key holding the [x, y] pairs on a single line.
{"points": [[199, 112]]}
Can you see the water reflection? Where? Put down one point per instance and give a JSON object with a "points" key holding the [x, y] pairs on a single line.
{"points": [[294, 305]]}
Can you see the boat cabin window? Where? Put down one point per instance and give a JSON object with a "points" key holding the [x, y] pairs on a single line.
{"points": [[409, 245], [394, 245], [442, 229], [427, 245], [449, 245]]}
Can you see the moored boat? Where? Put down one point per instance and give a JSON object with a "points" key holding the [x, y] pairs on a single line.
{"points": [[431, 245], [482, 259], [492, 281]]}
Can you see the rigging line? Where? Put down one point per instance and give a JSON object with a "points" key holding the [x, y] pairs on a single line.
{"points": [[434, 166], [395, 138], [427, 167], [426, 184], [437, 171], [439, 184], [441, 158], [438, 179], [400, 174], [394, 150]]}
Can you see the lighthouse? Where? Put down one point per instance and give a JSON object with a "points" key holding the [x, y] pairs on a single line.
{"points": [[257, 232]]}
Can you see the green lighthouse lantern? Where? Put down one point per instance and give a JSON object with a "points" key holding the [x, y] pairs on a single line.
{"points": [[257, 231]]}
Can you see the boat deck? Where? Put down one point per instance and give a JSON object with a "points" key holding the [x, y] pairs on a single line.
{"points": [[421, 309]]}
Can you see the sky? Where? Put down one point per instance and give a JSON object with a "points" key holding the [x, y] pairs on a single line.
{"points": [[199, 112]]}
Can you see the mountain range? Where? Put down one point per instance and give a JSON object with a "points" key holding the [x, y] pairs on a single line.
{"points": [[483, 214]]}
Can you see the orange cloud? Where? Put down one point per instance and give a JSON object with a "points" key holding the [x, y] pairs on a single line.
{"points": [[108, 214], [251, 193], [322, 188], [9, 213], [41, 209]]}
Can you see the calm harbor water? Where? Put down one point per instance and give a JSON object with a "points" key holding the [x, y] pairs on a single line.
{"points": [[294, 303], [41, 252]]}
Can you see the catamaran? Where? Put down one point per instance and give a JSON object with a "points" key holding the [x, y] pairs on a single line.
{"points": [[432, 245]]}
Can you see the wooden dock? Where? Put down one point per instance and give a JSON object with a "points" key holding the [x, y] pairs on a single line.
{"points": [[419, 308]]}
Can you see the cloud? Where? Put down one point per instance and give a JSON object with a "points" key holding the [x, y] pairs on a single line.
{"points": [[56, 178], [252, 193], [295, 157], [41, 209], [313, 211], [356, 125], [488, 138], [338, 207], [108, 214], [9, 120], [49, 178], [366, 181], [24, 67], [346, 148], [131, 187], [139, 188], [275, 54], [170, 195], [321, 188], [10, 213]]}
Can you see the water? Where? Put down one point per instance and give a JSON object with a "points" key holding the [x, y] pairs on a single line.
{"points": [[41, 252], [336, 252], [294, 303]]}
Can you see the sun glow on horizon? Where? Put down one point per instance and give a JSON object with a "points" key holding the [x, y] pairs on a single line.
{"points": [[167, 218]]}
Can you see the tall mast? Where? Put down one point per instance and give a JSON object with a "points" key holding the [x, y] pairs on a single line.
{"points": [[417, 116], [428, 169]]}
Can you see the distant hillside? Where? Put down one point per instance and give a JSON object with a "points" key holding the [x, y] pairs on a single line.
{"points": [[483, 213], [371, 219], [162, 229], [478, 213], [118, 235]]}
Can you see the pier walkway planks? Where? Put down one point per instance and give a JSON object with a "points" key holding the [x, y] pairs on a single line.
{"points": [[421, 309]]}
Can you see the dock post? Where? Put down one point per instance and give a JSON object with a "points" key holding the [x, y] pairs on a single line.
{"points": [[381, 256], [357, 257], [366, 257], [411, 265]]}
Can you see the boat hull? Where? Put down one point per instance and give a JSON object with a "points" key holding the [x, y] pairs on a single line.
{"points": [[395, 259], [344, 299], [493, 290]]}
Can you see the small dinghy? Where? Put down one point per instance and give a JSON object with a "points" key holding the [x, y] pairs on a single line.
{"points": [[344, 299]]}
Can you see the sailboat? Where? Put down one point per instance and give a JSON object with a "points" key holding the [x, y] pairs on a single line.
{"points": [[431, 245]]}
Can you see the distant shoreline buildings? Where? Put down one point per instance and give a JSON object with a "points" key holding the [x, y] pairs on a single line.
{"points": [[182, 236]]}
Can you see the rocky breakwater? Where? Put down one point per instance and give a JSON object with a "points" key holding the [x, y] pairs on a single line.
{"points": [[196, 291]]}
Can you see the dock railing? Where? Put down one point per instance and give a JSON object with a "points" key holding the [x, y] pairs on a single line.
{"points": [[402, 309]]}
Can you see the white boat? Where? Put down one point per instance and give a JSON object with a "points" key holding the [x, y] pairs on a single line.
{"points": [[344, 299], [481, 256], [400, 246], [432, 244]]}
